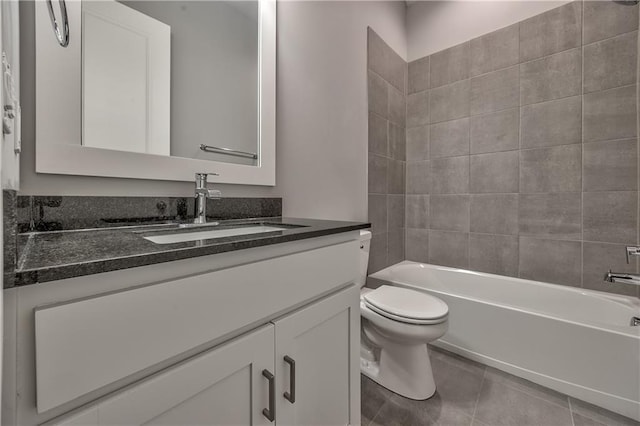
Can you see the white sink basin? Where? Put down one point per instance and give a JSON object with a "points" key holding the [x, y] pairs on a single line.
{"points": [[176, 237]]}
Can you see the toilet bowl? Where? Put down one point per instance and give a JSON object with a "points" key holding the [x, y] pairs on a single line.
{"points": [[397, 324]]}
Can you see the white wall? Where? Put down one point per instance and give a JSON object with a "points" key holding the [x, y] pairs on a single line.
{"points": [[321, 112], [322, 102], [436, 25]]}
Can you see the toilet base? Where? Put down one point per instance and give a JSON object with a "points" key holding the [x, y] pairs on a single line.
{"points": [[405, 370]]}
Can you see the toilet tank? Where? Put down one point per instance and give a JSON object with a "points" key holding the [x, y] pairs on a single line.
{"points": [[365, 244]]}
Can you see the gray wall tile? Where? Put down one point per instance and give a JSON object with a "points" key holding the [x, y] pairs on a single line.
{"points": [[551, 261], [495, 254], [395, 209], [378, 253], [550, 215], [418, 109], [418, 143], [552, 77], [449, 212], [551, 123], [449, 249], [493, 132], [495, 91], [419, 75], [450, 102], [611, 63], [396, 177], [397, 142], [387, 75], [397, 106], [597, 259], [449, 175], [417, 211], [449, 138], [496, 50], [450, 65], [378, 213], [395, 246], [611, 217], [495, 172], [604, 19], [494, 213], [377, 134], [378, 94], [417, 245], [554, 169], [384, 61], [610, 114], [611, 165], [377, 174], [477, 120], [418, 177], [550, 32]]}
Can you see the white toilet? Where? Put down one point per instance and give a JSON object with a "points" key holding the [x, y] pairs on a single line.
{"points": [[397, 324]]}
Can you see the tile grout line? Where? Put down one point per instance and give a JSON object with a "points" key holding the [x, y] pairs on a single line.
{"points": [[386, 401], [637, 150], [468, 232], [519, 152], [581, 151], [475, 407], [573, 423]]}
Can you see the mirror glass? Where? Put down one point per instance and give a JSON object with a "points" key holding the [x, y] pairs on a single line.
{"points": [[167, 77]]}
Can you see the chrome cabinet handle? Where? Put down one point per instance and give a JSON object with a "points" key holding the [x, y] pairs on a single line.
{"points": [[270, 413], [61, 34], [291, 395]]}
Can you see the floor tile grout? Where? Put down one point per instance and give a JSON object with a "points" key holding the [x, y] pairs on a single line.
{"points": [[573, 423], [475, 408], [377, 412]]}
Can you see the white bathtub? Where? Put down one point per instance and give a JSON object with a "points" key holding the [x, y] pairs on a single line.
{"points": [[578, 342]]}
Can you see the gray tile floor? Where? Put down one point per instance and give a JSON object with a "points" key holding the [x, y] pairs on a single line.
{"points": [[469, 393]]}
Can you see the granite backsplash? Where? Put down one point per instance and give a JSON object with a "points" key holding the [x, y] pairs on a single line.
{"points": [[53, 213]]}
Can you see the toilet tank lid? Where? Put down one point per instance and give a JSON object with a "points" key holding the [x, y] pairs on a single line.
{"points": [[365, 235]]}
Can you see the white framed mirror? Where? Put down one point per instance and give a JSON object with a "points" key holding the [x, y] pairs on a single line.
{"points": [[157, 89]]}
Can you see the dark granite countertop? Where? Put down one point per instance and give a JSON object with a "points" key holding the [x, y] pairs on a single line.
{"points": [[50, 256]]}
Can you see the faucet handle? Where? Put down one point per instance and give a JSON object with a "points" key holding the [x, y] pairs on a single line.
{"points": [[204, 175], [632, 251]]}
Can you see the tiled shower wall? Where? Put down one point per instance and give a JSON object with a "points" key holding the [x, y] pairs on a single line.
{"points": [[522, 151], [387, 76]]}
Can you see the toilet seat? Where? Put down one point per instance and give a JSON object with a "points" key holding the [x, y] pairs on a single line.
{"points": [[405, 305]]}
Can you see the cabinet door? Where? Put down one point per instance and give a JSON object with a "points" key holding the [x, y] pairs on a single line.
{"points": [[321, 343], [224, 386]]}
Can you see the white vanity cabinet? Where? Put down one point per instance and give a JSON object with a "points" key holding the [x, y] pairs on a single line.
{"points": [[212, 340], [223, 386], [319, 340], [241, 383]]}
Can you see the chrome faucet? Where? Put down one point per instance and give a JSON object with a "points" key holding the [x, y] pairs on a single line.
{"points": [[625, 278], [202, 194]]}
